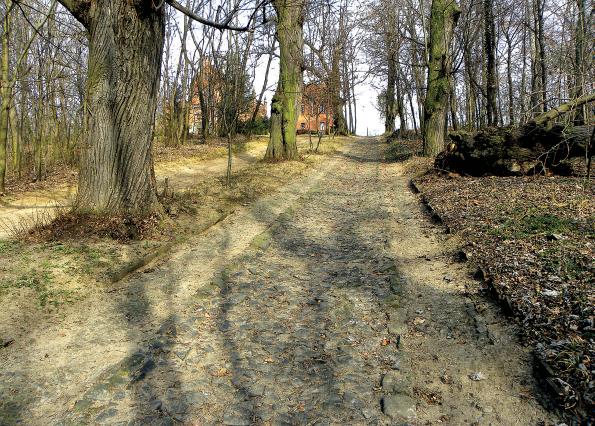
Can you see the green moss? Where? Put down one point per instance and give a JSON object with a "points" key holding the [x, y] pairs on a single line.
{"points": [[262, 241]]}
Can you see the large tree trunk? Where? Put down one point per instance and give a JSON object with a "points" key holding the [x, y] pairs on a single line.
{"points": [[287, 98], [444, 16], [125, 49], [580, 60], [532, 148]]}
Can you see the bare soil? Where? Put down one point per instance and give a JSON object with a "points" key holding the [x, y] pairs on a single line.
{"points": [[333, 300]]}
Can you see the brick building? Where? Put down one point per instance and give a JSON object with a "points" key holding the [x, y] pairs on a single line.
{"points": [[316, 113]]}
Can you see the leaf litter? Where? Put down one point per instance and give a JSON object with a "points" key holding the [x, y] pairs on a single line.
{"points": [[533, 241]]}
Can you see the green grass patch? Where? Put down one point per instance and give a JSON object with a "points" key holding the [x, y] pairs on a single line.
{"points": [[534, 224], [40, 282], [563, 263]]}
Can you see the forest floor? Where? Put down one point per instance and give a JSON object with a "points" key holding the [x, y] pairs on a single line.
{"points": [[331, 299], [532, 240]]}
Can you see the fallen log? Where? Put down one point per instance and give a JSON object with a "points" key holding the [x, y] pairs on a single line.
{"points": [[533, 148], [554, 113]]}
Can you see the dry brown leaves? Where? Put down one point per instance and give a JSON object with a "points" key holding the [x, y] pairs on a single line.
{"points": [[534, 240]]}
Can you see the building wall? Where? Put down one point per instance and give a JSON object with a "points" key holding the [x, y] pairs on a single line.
{"points": [[316, 113]]}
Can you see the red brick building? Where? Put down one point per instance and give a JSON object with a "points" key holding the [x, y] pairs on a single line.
{"points": [[316, 113]]}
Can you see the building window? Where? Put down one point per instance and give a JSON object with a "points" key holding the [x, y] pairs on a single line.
{"points": [[322, 125], [303, 125], [303, 108], [321, 109]]}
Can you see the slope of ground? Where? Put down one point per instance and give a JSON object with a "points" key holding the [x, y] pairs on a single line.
{"points": [[332, 301]]}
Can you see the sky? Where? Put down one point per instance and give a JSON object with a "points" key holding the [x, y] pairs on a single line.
{"points": [[368, 118]]}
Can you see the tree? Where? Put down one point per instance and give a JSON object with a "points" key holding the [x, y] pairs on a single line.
{"points": [[126, 41], [443, 19], [391, 60], [6, 93], [490, 54], [287, 98]]}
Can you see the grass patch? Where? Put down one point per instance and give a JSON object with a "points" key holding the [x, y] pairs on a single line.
{"points": [[534, 224], [402, 150], [40, 282]]}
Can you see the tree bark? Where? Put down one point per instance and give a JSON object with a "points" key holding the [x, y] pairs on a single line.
{"points": [[5, 92], [490, 53], [580, 58], [443, 19], [125, 50], [509, 79], [389, 102], [334, 87], [287, 98], [564, 108]]}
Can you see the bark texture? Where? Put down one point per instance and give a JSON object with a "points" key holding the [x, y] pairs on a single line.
{"points": [[515, 150], [443, 19], [288, 95], [390, 102], [5, 93], [490, 54], [125, 49]]}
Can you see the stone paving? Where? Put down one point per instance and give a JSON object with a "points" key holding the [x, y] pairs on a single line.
{"points": [[301, 320]]}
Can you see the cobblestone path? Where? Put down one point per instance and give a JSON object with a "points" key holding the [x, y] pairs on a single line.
{"points": [[334, 302]]}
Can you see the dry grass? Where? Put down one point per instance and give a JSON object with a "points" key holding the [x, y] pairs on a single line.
{"points": [[67, 259]]}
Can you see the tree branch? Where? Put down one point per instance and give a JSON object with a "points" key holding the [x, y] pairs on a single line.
{"points": [[563, 109], [79, 9], [225, 25]]}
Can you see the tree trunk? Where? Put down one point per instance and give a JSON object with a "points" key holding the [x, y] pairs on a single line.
{"points": [[389, 102], [573, 105], [515, 151], [453, 103], [337, 101], [6, 93], [522, 87], [125, 50], [287, 98], [509, 79], [444, 16], [580, 57], [490, 53]]}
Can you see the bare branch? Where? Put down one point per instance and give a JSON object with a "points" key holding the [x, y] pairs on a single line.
{"points": [[224, 25]]}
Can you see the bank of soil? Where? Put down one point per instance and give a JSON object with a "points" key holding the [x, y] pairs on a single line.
{"points": [[332, 301]]}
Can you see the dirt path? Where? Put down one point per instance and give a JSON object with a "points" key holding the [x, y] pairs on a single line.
{"points": [[24, 209], [331, 302]]}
